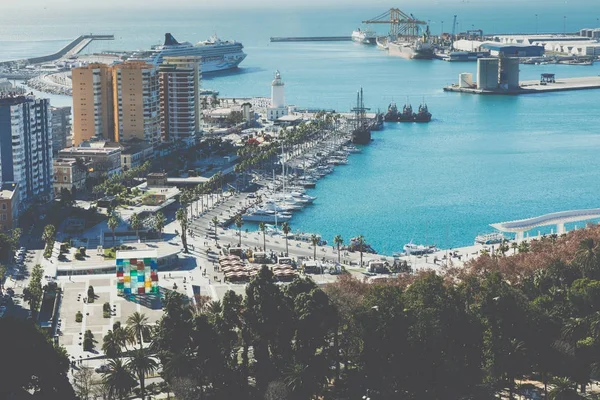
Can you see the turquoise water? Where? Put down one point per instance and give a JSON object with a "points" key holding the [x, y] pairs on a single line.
{"points": [[481, 160]]}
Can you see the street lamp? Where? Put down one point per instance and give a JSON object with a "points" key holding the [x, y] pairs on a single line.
{"points": [[442, 32], [536, 24], [565, 25]]}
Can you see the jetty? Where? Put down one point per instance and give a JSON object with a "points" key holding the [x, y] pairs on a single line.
{"points": [[73, 48], [533, 87], [312, 39]]}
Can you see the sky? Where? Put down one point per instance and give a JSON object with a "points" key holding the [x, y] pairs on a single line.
{"points": [[89, 4]]}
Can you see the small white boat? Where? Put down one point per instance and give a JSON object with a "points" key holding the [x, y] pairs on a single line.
{"points": [[364, 37], [490, 238], [419, 249], [267, 216]]}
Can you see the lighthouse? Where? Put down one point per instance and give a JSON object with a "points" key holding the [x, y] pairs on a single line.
{"points": [[278, 108]]}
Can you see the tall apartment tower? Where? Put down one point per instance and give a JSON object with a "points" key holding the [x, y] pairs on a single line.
{"points": [[136, 100], [61, 128], [26, 146], [180, 113], [93, 109]]}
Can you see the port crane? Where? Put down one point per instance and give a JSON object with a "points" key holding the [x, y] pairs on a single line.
{"points": [[401, 24], [453, 38]]}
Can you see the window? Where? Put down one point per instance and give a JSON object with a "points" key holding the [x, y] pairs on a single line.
{"points": [[4, 206]]}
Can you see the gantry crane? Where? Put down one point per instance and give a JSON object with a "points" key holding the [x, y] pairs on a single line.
{"points": [[400, 22]]}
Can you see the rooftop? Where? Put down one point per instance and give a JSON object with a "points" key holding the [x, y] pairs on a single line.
{"points": [[7, 190], [142, 253]]}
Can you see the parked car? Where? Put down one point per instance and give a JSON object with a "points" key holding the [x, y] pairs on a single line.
{"points": [[102, 368]]}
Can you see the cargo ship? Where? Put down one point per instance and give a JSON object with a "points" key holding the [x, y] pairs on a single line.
{"points": [[364, 37], [417, 50]]}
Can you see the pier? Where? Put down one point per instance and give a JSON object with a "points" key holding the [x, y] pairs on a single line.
{"points": [[532, 87], [312, 39], [71, 49]]}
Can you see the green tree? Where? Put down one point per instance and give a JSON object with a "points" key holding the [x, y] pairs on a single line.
{"points": [[181, 217], [137, 324], [285, 227], [239, 222], [136, 224], [113, 223], [43, 375], [159, 222], [119, 379], [563, 389], [111, 345], [141, 364], [587, 258], [3, 270], [262, 227], [338, 240], [33, 293], [48, 235], [514, 246]]}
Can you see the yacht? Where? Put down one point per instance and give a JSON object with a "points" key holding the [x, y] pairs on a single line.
{"points": [[301, 197], [217, 54], [364, 37], [490, 238], [267, 216], [419, 249]]}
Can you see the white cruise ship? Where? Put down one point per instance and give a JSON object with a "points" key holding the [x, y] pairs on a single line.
{"points": [[364, 37], [217, 55]]}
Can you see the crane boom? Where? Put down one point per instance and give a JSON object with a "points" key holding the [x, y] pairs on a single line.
{"points": [[452, 38], [400, 22]]}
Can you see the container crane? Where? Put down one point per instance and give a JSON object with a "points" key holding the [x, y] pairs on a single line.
{"points": [[400, 22]]}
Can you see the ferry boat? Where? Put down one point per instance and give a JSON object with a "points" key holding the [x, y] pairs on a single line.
{"points": [[423, 115], [217, 55], [419, 249], [490, 238], [364, 37], [392, 113]]}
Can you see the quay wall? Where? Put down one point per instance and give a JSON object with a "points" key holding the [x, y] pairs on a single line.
{"points": [[312, 39]]}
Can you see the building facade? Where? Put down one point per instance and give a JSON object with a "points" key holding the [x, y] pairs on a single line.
{"points": [[69, 173], [61, 128], [101, 157], [134, 153], [278, 108], [26, 147], [93, 106], [137, 101], [180, 114], [9, 206]]}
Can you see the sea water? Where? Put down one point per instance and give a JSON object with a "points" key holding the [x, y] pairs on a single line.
{"points": [[483, 159]]}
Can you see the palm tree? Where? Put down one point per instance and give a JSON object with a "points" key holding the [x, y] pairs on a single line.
{"points": [[239, 222], [111, 345], [262, 228], [314, 239], [141, 364], [361, 243], [136, 224], [137, 324], [285, 227], [215, 222], [159, 222], [181, 217], [118, 379], [587, 257], [564, 389], [113, 223], [338, 240], [514, 246]]}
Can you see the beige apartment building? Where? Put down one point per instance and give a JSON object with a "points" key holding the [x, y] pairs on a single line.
{"points": [[137, 102], [180, 99], [68, 173], [93, 109], [116, 102]]}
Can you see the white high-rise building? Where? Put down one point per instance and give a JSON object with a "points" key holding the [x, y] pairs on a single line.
{"points": [[26, 146], [278, 108], [180, 113]]}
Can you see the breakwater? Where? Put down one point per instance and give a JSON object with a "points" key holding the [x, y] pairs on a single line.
{"points": [[312, 39]]}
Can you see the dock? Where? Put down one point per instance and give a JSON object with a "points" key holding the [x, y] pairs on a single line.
{"points": [[535, 86], [312, 39]]}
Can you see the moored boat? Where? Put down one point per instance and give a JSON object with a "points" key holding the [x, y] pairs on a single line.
{"points": [[392, 114], [423, 115], [490, 238], [407, 114]]}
